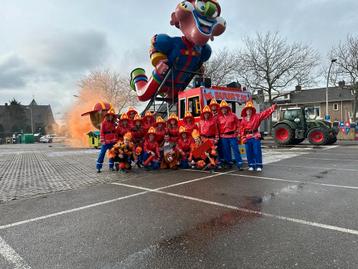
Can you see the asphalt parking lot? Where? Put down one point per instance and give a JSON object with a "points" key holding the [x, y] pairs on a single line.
{"points": [[300, 212]]}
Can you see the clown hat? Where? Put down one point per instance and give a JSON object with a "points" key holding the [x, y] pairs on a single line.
{"points": [[195, 134], [213, 103], [188, 115], [158, 121], [148, 114], [182, 130], [224, 104], [124, 117], [137, 117], [173, 116], [249, 104], [206, 109], [151, 131], [130, 110]]}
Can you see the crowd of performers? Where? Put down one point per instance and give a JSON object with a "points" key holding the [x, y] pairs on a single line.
{"points": [[153, 143]]}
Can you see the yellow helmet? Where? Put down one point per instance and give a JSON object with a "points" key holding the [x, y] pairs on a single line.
{"points": [[124, 117], [195, 134], [173, 116], [158, 121], [137, 117], [214, 103], [127, 136], [224, 104], [249, 104]]}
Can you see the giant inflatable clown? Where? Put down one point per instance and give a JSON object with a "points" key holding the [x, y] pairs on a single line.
{"points": [[199, 22]]}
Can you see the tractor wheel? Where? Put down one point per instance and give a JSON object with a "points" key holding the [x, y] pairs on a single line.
{"points": [[297, 141], [283, 134], [318, 136]]}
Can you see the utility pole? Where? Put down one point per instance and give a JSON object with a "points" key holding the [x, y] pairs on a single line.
{"points": [[329, 73]]}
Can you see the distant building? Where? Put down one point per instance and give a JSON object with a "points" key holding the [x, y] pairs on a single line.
{"points": [[340, 102], [17, 118]]}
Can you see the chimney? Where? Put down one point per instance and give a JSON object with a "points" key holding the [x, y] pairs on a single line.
{"points": [[6, 104], [298, 88]]}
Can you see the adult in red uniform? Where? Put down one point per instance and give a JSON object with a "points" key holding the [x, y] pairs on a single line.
{"points": [[148, 121], [108, 138], [137, 131], [123, 126], [189, 123], [131, 113], [184, 143], [208, 128], [229, 126], [160, 129], [151, 155], [250, 134], [173, 128]]}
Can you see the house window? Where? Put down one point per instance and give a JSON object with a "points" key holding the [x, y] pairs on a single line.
{"points": [[335, 106]]}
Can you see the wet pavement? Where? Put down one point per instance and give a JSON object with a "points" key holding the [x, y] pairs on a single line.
{"points": [[300, 212]]}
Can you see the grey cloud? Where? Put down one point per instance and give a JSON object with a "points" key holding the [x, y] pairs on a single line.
{"points": [[71, 52], [13, 72]]}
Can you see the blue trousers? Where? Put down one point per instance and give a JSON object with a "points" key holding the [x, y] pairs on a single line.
{"points": [[153, 165], [254, 153], [228, 144], [220, 151], [101, 155]]}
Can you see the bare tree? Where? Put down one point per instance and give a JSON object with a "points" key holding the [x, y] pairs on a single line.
{"points": [[270, 64], [346, 66], [221, 67], [111, 86]]}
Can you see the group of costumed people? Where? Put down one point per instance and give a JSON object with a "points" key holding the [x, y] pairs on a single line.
{"points": [[154, 143]]}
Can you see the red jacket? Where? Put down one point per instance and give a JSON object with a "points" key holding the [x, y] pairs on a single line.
{"points": [[173, 133], [152, 146], [249, 127], [184, 145], [190, 127], [146, 125], [229, 125], [160, 134], [108, 133], [209, 128], [121, 130], [138, 135]]}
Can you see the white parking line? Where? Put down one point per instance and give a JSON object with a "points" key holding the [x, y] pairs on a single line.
{"points": [[259, 213], [311, 167], [327, 159], [6, 226], [11, 256]]}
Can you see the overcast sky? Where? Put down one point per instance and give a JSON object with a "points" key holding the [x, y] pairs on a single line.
{"points": [[46, 46]]}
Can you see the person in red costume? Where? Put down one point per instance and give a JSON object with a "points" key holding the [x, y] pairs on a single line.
{"points": [[131, 113], [123, 126], [215, 107], [173, 128], [229, 126], [250, 134], [148, 121], [189, 123], [208, 128], [160, 129], [137, 131], [151, 154], [185, 141], [108, 138]]}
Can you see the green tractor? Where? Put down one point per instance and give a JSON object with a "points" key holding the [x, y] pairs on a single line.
{"points": [[294, 126]]}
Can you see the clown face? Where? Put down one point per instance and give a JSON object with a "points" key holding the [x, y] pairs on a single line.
{"points": [[199, 20]]}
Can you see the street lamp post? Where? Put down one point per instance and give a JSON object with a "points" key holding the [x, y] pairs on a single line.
{"points": [[329, 73]]}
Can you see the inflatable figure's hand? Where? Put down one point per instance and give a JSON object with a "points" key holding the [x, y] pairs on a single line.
{"points": [[162, 67]]}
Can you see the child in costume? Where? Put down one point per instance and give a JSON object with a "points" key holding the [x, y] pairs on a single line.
{"points": [[189, 122], [250, 134], [229, 126], [148, 121], [151, 155], [202, 154], [123, 126], [131, 113], [108, 138], [173, 128], [208, 128], [123, 153], [138, 139], [170, 154], [183, 146], [160, 129]]}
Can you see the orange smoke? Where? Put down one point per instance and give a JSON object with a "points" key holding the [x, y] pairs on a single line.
{"points": [[79, 126]]}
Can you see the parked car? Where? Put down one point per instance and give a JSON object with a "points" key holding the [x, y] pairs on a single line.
{"points": [[46, 139]]}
